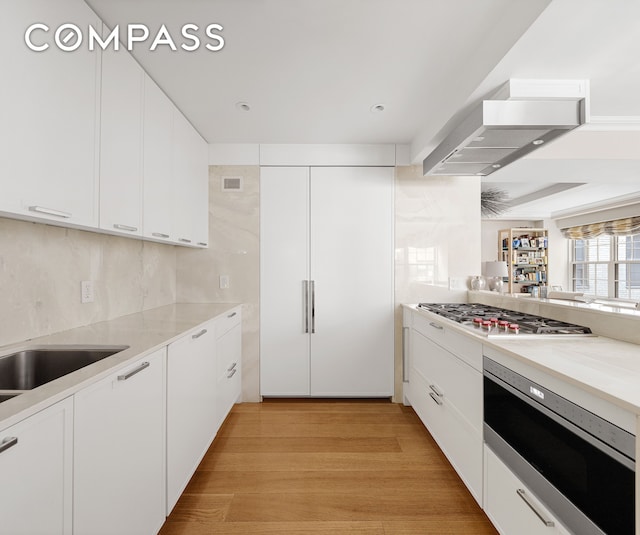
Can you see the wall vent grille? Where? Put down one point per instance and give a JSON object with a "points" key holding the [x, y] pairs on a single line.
{"points": [[232, 183]]}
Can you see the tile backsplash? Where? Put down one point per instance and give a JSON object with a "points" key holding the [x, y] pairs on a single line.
{"points": [[41, 267]]}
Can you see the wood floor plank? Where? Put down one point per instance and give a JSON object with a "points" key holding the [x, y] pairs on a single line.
{"points": [[238, 482], [354, 429], [321, 418], [312, 467], [201, 508], [292, 462], [307, 445], [291, 507], [440, 526], [275, 528]]}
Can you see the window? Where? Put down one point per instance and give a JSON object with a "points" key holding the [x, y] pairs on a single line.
{"points": [[607, 266]]}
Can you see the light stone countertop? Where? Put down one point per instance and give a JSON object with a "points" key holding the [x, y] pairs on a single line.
{"points": [[607, 368], [144, 332]]}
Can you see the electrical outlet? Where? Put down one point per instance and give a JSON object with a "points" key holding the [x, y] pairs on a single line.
{"points": [[86, 292], [224, 282]]}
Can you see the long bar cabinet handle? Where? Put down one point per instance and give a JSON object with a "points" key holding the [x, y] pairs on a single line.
{"points": [[405, 349], [133, 372], [435, 398], [50, 211], [305, 304], [125, 227], [436, 326], [198, 335], [532, 506], [313, 307], [7, 443]]}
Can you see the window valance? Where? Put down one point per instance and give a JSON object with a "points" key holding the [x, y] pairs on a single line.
{"points": [[619, 227]]}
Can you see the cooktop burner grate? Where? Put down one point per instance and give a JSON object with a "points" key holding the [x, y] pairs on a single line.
{"points": [[466, 313]]}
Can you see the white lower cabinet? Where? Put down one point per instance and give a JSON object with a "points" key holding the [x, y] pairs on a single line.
{"points": [[192, 420], [512, 508], [36, 471], [445, 390], [228, 356], [119, 431]]}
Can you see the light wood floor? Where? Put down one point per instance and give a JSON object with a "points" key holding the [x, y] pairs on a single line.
{"points": [[294, 467]]}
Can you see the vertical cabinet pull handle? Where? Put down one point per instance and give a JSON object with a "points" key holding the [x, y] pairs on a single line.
{"points": [[131, 373], [527, 500], [436, 391], [7, 443], [435, 398], [313, 307], [198, 335], [233, 372], [305, 305], [405, 349]]}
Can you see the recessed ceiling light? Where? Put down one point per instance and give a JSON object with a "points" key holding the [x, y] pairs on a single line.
{"points": [[496, 166], [377, 108], [243, 106], [538, 142]]}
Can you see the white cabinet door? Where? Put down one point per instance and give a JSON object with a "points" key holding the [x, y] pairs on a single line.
{"points": [[511, 506], [119, 451], [37, 471], [284, 268], [229, 357], [190, 176], [158, 205], [191, 406], [330, 228], [199, 169], [121, 144], [351, 263], [48, 131]]}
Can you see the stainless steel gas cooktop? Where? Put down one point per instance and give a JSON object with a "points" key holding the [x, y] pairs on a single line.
{"points": [[493, 321]]}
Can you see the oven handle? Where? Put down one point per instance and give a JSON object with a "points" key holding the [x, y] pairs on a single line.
{"points": [[604, 448], [532, 506]]}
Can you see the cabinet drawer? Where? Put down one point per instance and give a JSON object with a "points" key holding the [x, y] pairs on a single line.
{"points": [[228, 321], [465, 347], [458, 440], [451, 379], [504, 502]]}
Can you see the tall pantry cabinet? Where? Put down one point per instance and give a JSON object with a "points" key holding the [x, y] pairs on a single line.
{"points": [[326, 291]]}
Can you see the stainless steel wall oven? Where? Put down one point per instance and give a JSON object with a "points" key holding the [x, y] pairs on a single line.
{"points": [[579, 465]]}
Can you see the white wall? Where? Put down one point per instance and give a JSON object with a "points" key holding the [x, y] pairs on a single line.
{"points": [[234, 249]]}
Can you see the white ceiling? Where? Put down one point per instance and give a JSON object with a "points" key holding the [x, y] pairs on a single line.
{"points": [[312, 70]]}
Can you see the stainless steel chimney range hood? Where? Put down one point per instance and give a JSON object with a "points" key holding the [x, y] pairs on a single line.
{"points": [[498, 132]]}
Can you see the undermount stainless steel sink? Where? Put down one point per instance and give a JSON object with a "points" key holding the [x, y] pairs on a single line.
{"points": [[30, 368]]}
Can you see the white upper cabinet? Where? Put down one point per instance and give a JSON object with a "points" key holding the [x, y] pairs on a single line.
{"points": [[158, 223], [121, 144], [48, 132]]}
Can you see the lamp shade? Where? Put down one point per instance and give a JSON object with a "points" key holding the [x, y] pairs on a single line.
{"points": [[496, 268]]}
